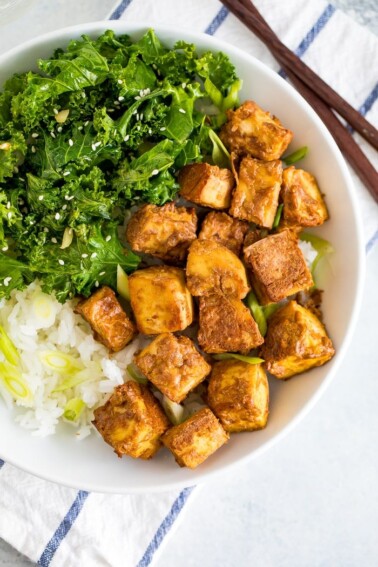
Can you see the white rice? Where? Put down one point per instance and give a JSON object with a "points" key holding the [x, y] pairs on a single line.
{"points": [[308, 252], [37, 323]]}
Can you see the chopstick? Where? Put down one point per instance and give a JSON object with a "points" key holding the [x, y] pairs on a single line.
{"points": [[249, 15], [345, 141]]}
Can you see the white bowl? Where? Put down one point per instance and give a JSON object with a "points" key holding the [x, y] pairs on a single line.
{"points": [[91, 464]]}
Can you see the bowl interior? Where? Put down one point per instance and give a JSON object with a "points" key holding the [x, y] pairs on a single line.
{"points": [[91, 464]]}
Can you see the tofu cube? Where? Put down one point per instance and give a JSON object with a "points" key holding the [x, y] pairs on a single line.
{"points": [[238, 394], [250, 130], [303, 204], [225, 230], [207, 185], [160, 300], [295, 342], [173, 365], [165, 232], [110, 324], [226, 325], [255, 198], [278, 267], [213, 268], [132, 421], [193, 441]]}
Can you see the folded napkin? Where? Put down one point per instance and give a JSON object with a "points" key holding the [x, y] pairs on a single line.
{"points": [[58, 526]]}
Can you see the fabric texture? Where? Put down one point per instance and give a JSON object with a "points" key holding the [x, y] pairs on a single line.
{"points": [[56, 526]]}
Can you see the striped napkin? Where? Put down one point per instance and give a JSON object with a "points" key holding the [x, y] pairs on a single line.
{"points": [[58, 526]]}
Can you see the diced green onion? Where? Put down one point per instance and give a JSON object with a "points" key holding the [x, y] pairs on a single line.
{"points": [[257, 312], [13, 381], [277, 218], [67, 238], [136, 374], [296, 156], [221, 157], [270, 309], [322, 246], [175, 412], [73, 409], [232, 99], [60, 362], [78, 378], [7, 348], [123, 283], [229, 355], [214, 93]]}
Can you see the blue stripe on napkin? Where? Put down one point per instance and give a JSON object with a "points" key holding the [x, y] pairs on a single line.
{"points": [[217, 21], [372, 242], [120, 9], [1, 463], [315, 30], [63, 529], [369, 101], [165, 526]]}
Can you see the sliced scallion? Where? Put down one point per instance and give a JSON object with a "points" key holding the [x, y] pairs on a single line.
{"points": [[14, 382], [123, 283], [257, 312], [136, 374], [230, 355], [221, 156], [175, 412], [277, 218], [73, 409], [7, 348], [60, 362], [296, 156]]}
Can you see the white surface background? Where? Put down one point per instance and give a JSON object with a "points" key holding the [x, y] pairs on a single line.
{"points": [[312, 500]]}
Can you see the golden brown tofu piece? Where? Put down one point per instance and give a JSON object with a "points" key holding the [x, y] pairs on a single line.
{"points": [[213, 268], [207, 185], [253, 131], [225, 230], [238, 394], [194, 440], [303, 204], [165, 232], [278, 267], [132, 421], [173, 364], [226, 325], [160, 300], [295, 342], [110, 324], [255, 198]]}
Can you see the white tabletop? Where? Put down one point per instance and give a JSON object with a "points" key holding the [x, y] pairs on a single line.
{"points": [[312, 500]]}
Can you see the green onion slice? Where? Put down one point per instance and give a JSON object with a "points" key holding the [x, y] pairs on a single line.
{"points": [[60, 362], [322, 246], [13, 381], [123, 283], [136, 374], [221, 156], [257, 312], [277, 218], [175, 412], [73, 409], [296, 156], [7, 348], [269, 309], [232, 99], [229, 355]]}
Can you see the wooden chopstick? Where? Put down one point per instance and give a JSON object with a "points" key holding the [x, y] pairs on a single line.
{"points": [[246, 12], [345, 141]]}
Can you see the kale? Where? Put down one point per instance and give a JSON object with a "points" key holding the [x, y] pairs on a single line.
{"points": [[102, 125]]}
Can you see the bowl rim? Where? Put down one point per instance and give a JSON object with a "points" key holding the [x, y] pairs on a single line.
{"points": [[122, 26]]}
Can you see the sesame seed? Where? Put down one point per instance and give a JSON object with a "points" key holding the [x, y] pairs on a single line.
{"points": [[8, 205], [96, 144], [183, 85], [61, 262], [46, 229], [66, 173], [15, 169], [64, 207], [57, 216], [34, 135], [83, 94], [137, 116], [33, 149], [102, 273], [69, 197], [182, 111], [94, 255], [150, 131], [86, 123], [108, 238], [53, 134], [5, 248], [59, 129], [138, 127], [111, 109], [116, 103], [154, 172], [54, 240], [55, 111], [70, 142], [120, 81], [137, 97], [40, 198], [93, 147], [141, 116], [135, 111], [115, 133], [9, 215], [121, 98], [21, 202], [84, 255], [126, 138], [7, 280], [162, 129], [80, 128], [97, 283]]}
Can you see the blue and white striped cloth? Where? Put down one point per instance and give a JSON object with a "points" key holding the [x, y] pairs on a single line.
{"points": [[57, 526]]}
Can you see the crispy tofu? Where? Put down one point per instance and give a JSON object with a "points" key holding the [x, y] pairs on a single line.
{"points": [[110, 324], [132, 421], [194, 440], [225, 230], [278, 267], [207, 185], [295, 342], [303, 204], [255, 198], [160, 300], [226, 325], [173, 365], [165, 232], [238, 394], [213, 268], [250, 130]]}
